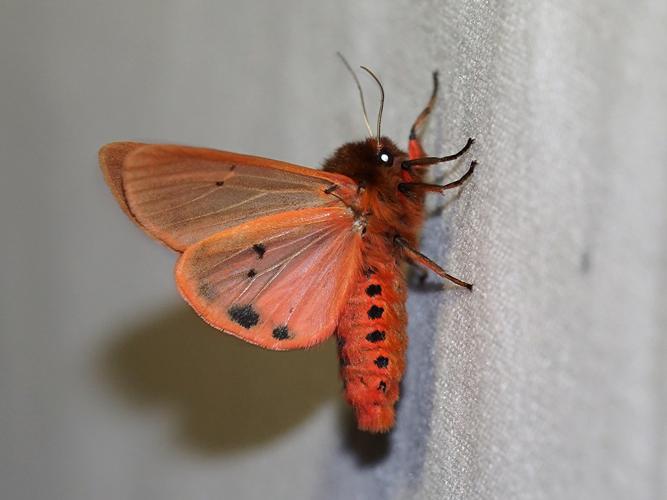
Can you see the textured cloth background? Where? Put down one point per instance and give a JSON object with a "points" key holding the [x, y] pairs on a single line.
{"points": [[547, 382]]}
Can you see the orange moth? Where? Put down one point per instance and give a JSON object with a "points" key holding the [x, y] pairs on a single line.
{"points": [[284, 256]]}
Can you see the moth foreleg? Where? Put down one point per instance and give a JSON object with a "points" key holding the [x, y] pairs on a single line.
{"points": [[414, 144], [407, 187]]}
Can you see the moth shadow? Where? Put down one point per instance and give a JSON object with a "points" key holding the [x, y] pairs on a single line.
{"points": [[225, 394], [369, 450], [417, 286]]}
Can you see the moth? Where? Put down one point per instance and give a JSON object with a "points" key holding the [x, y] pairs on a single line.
{"points": [[284, 256]]}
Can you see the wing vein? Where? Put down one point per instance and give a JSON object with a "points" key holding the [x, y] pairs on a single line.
{"points": [[329, 265], [272, 238], [283, 264], [215, 212], [274, 266], [185, 203]]}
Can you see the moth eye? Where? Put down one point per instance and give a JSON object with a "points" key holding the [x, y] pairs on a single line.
{"points": [[385, 158]]}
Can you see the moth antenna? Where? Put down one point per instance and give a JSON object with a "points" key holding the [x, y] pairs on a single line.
{"points": [[377, 80], [361, 92]]}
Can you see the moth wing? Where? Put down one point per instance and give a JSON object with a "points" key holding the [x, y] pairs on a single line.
{"points": [[279, 281], [181, 195], [111, 157]]}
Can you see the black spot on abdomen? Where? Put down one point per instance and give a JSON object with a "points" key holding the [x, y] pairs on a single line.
{"points": [[375, 336], [373, 290], [245, 315], [375, 312], [381, 362]]}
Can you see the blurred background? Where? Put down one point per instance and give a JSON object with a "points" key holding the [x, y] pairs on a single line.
{"points": [[547, 382]]}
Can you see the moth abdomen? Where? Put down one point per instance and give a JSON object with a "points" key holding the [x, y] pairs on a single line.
{"points": [[372, 340]]}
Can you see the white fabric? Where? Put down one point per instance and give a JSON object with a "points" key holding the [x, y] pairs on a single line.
{"points": [[548, 381]]}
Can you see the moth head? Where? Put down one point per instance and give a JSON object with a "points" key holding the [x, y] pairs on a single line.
{"points": [[385, 150], [385, 157], [365, 161]]}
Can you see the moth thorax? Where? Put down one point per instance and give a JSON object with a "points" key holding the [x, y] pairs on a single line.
{"points": [[359, 224]]}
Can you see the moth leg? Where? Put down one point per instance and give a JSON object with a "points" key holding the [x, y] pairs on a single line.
{"points": [[415, 148], [418, 258], [407, 187], [439, 178], [426, 161], [417, 155]]}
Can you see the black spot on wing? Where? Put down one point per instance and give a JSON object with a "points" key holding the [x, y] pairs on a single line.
{"points": [[382, 386], [373, 290], [375, 312], [281, 332], [381, 362], [375, 336], [220, 183], [252, 273], [245, 315], [260, 249], [207, 291]]}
